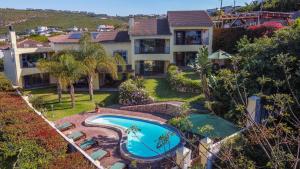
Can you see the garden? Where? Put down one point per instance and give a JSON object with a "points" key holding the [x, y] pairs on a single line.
{"points": [[26, 140]]}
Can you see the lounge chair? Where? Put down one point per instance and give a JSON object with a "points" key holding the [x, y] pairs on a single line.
{"points": [[65, 126], [118, 165], [99, 154], [77, 135], [87, 144]]}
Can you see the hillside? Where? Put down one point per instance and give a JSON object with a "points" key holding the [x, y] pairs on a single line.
{"points": [[27, 19]]}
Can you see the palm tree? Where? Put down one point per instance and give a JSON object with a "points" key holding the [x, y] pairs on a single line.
{"points": [[94, 58], [71, 72], [203, 67], [54, 68]]}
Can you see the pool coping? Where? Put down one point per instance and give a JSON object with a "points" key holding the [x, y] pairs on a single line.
{"points": [[123, 137]]}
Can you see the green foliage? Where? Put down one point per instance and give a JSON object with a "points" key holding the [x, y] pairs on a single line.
{"points": [[180, 83], [26, 19], [37, 102], [272, 5], [181, 122], [39, 38], [132, 93], [5, 84]]}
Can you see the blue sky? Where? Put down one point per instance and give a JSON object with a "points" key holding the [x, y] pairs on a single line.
{"points": [[120, 7]]}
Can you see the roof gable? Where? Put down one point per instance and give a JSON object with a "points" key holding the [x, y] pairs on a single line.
{"points": [[189, 18], [150, 27]]}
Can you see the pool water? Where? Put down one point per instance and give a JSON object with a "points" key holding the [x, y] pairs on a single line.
{"points": [[142, 143]]}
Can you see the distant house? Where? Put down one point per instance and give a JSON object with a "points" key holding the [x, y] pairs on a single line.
{"points": [[105, 28]]}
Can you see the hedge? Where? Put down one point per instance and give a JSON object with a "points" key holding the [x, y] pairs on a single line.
{"points": [[180, 83], [5, 84], [27, 140]]}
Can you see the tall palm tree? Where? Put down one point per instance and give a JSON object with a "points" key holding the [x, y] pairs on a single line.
{"points": [[203, 67], [54, 68], [94, 58], [71, 72]]}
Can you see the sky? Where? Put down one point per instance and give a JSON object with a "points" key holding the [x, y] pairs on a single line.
{"points": [[119, 7]]}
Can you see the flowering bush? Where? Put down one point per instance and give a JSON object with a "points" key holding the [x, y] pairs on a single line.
{"points": [[180, 83], [265, 29], [132, 93], [27, 137]]}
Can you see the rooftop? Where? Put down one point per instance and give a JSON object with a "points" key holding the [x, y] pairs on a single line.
{"points": [[74, 37], [189, 18], [150, 26]]}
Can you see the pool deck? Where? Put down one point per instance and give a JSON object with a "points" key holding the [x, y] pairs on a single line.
{"points": [[108, 139]]}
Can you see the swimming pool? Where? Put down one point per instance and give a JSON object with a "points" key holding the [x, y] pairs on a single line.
{"points": [[142, 143]]}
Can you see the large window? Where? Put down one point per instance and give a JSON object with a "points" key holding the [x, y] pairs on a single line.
{"points": [[36, 80], [191, 37], [30, 60], [151, 67]]}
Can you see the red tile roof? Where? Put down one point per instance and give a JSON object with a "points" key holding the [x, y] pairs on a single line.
{"points": [[189, 18], [112, 36], [150, 26]]}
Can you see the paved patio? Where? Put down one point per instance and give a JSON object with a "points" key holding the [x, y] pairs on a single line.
{"points": [[108, 139]]}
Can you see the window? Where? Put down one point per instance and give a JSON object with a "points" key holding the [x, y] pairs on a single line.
{"points": [[36, 80], [191, 37], [152, 46], [122, 53], [30, 60]]}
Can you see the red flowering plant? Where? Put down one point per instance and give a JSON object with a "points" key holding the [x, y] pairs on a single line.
{"points": [[265, 29]]}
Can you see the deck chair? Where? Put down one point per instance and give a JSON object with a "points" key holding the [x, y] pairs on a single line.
{"points": [[65, 126], [77, 135], [99, 154], [118, 165], [87, 144]]}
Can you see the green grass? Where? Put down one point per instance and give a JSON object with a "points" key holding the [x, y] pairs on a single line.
{"points": [[64, 109], [25, 19], [161, 91], [191, 75], [158, 88]]}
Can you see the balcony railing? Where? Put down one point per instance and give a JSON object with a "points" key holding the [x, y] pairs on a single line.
{"points": [[152, 50]]}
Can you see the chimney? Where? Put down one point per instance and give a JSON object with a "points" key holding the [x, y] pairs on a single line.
{"points": [[12, 38], [131, 23]]}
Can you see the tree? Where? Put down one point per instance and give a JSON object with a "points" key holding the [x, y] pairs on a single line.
{"points": [[203, 67], [93, 57], [269, 68], [54, 67], [71, 72]]}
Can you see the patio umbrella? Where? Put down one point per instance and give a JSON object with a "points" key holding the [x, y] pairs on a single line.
{"points": [[219, 55]]}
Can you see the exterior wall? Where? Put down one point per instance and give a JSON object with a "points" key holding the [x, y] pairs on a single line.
{"points": [[12, 64], [140, 57], [190, 48], [111, 47]]}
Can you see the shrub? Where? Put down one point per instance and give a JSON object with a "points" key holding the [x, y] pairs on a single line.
{"points": [[132, 93], [180, 83], [37, 102], [5, 84]]}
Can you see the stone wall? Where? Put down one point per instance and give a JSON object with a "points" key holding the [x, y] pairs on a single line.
{"points": [[169, 108]]}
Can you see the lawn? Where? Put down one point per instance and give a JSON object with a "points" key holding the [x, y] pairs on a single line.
{"points": [[161, 91], [58, 110], [191, 75], [158, 88]]}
